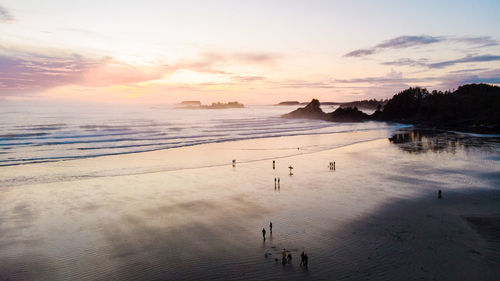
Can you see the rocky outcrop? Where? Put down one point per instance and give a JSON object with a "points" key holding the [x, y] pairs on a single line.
{"points": [[311, 111], [349, 114], [314, 111], [471, 108]]}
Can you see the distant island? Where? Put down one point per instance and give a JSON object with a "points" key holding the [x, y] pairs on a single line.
{"points": [[289, 103], [215, 105], [471, 108], [371, 104]]}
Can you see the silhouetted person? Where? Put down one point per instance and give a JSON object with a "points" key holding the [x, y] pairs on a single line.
{"points": [[274, 165], [264, 233], [278, 182], [305, 260], [334, 165], [289, 258], [271, 227], [234, 163], [440, 194], [302, 258]]}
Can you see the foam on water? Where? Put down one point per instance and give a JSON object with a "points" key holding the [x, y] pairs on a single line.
{"points": [[34, 134]]}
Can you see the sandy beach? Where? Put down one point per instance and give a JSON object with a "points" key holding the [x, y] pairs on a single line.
{"points": [[187, 214]]}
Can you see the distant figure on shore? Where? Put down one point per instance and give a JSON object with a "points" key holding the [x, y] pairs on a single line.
{"points": [[440, 194], [274, 182], [264, 234], [283, 256], [278, 182], [234, 162], [274, 165], [302, 258], [305, 260], [266, 253], [291, 168], [271, 227], [334, 165], [289, 258]]}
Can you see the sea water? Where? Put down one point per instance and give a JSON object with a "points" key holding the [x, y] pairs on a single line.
{"points": [[41, 132]]}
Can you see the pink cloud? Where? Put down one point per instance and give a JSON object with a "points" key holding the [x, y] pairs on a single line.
{"points": [[23, 72]]}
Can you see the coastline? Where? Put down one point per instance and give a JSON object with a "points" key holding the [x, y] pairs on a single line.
{"points": [[135, 217]]}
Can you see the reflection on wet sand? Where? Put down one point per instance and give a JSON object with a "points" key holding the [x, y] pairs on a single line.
{"points": [[415, 140]]}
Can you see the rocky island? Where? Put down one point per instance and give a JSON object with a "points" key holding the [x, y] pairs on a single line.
{"points": [[471, 108], [314, 111], [214, 105]]}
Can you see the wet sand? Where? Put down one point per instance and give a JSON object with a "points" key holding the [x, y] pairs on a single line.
{"points": [[187, 214]]}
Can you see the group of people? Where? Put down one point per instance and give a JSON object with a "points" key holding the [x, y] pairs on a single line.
{"points": [[278, 180], [285, 259], [332, 165], [270, 230]]}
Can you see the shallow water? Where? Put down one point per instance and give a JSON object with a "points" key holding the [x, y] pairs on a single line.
{"points": [[145, 219], [34, 133]]}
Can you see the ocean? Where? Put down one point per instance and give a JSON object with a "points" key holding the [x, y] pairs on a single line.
{"points": [[34, 133]]}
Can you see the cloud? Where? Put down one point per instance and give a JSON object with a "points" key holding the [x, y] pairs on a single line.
{"points": [[442, 64], [213, 62], [406, 41], [256, 57], [454, 79], [5, 15], [249, 78], [406, 62], [481, 41], [24, 71], [396, 43], [360, 53], [299, 84], [467, 59], [29, 72]]}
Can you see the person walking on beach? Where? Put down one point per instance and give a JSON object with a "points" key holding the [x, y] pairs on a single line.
{"points": [[305, 260], [334, 165], [271, 227], [278, 182], [302, 257], [289, 258], [264, 233], [274, 165], [283, 256], [440, 194]]}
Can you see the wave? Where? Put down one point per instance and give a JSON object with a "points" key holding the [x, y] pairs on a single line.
{"points": [[88, 134]]}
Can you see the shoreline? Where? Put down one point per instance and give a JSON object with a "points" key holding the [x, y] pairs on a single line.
{"points": [[205, 222], [158, 160]]}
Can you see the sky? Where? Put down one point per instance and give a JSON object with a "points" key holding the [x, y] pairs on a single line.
{"points": [[255, 52]]}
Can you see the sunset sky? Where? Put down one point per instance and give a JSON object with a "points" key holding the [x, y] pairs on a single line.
{"points": [[250, 51]]}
